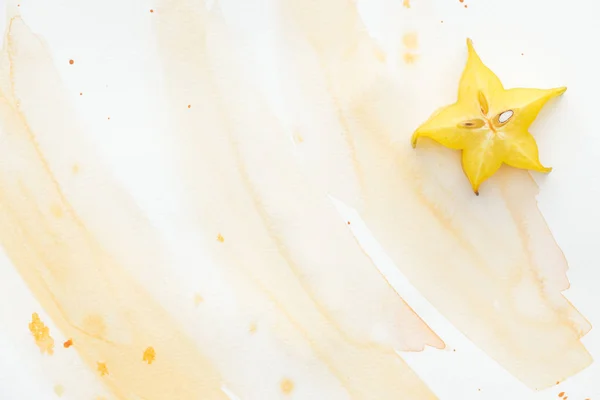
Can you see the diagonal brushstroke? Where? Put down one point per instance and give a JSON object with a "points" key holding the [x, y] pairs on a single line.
{"points": [[243, 186], [490, 266], [89, 296]]}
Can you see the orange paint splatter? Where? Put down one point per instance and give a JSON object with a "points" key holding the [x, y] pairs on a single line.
{"points": [[102, 368], [189, 106], [149, 355], [561, 394], [71, 62], [80, 93], [220, 238], [41, 334], [68, 343], [151, 11], [287, 386]]}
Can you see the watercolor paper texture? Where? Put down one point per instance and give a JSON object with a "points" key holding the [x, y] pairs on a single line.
{"points": [[252, 281]]}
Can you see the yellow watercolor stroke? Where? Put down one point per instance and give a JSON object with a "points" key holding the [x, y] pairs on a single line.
{"points": [[232, 156], [490, 266], [89, 296]]}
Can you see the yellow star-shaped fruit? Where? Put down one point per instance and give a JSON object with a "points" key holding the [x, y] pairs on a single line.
{"points": [[488, 123]]}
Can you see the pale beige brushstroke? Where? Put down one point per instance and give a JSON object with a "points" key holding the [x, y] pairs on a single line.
{"points": [[89, 296], [226, 203], [489, 264], [303, 223]]}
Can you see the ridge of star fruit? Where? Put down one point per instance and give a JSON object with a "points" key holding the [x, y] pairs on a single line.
{"points": [[488, 123]]}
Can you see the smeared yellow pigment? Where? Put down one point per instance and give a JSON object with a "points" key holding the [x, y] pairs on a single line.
{"points": [[287, 386], [41, 335], [149, 355], [102, 368], [88, 292], [489, 124], [59, 390]]}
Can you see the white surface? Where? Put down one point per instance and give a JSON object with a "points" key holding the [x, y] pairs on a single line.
{"points": [[114, 59]]}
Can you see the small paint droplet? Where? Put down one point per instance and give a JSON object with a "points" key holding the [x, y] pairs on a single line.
{"points": [[151, 11], [406, 3], [298, 138], [287, 386], [41, 334], [59, 390], [80, 93], [189, 106], [466, 6], [68, 343], [220, 238], [410, 58], [198, 299], [109, 118], [348, 222], [411, 41], [102, 368], [75, 168], [149, 355], [561, 394], [71, 62], [252, 328]]}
